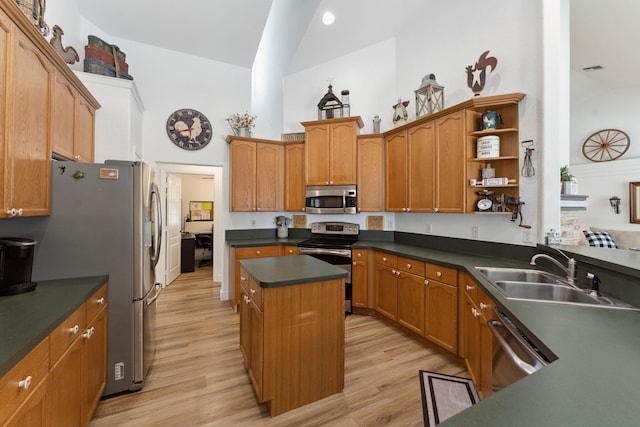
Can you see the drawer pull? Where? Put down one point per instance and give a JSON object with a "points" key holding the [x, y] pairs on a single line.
{"points": [[354, 263], [483, 306], [408, 266], [359, 255], [439, 273], [243, 278], [384, 259], [253, 291], [25, 383], [475, 312], [247, 300], [75, 329], [89, 332], [257, 252], [469, 288], [100, 301], [426, 282]]}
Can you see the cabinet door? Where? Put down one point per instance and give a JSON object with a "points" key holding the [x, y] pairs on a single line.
{"points": [[343, 154], [256, 354], [472, 340], [316, 154], [441, 314], [411, 302], [290, 250], [450, 163], [370, 170], [85, 131], [95, 363], [63, 113], [359, 284], [421, 164], [396, 173], [27, 157], [34, 412], [245, 327], [269, 173], [65, 396], [243, 175], [294, 191], [386, 291]]}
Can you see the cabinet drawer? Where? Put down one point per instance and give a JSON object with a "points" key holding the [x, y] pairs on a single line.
{"points": [[255, 292], [35, 366], [386, 259], [257, 252], [442, 274], [358, 255], [411, 266], [290, 250], [65, 334], [96, 302]]}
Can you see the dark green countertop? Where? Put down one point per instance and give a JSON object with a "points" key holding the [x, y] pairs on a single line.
{"points": [[27, 319], [594, 378], [278, 271], [267, 241]]}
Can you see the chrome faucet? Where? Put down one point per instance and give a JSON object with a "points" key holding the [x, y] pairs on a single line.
{"points": [[570, 269]]}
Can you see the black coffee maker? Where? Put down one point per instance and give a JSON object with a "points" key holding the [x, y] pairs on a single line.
{"points": [[16, 263]]}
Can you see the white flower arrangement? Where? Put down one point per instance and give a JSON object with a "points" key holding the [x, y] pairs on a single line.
{"points": [[244, 120], [282, 221]]}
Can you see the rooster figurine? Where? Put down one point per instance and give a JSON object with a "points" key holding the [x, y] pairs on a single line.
{"points": [[68, 54]]}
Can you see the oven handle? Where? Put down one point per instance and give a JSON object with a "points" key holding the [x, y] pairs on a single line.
{"points": [[320, 251], [521, 364]]}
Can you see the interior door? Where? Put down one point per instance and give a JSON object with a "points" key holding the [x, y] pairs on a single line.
{"points": [[174, 216]]}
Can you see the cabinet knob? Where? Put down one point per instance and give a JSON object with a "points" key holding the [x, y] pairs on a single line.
{"points": [[243, 278], [475, 312], [15, 212], [100, 301], [88, 333], [253, 291], [359, 255], [408, 209], [384, 259], [304, 209], [257, 209], [469, 288], [257, 252], [247, 300], [435, 209], [290, 251], [398, 273], [25, 383], [354, 263], [439, 273], [483, 306], [408, 266], [404, 209], [78, 157], [426, 282], [75, 329]]}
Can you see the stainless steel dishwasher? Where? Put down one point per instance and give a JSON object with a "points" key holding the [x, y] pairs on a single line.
{"points": [[514, 356]]}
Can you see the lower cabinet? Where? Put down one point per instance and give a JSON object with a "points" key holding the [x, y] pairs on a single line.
{"points": [[386, 285], [359, 277], [441, 306], [251, 333], [411, 294], [238, 254], [477, 338], [59, 383]]}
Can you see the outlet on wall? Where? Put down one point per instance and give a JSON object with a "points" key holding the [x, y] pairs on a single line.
{"points": [[527, 236], [474, 231], [429, 228], [253, 222]]}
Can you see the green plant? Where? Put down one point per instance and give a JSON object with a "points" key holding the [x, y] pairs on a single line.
{"points": [[565, 175]]}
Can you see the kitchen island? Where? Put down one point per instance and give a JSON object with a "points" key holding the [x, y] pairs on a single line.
{"points": [[292, 329]]}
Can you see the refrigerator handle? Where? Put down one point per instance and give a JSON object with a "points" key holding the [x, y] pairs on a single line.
{"points": [[155, 257], [153, 299]]}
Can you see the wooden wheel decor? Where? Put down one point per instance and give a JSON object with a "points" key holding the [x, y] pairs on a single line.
{"points": [[605, 145]]}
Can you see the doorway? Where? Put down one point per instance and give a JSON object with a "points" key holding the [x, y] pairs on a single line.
{"points": [[170, 171]]}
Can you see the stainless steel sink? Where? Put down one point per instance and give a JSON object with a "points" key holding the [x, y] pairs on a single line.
{"points": [[544, 292], [496, 274]]}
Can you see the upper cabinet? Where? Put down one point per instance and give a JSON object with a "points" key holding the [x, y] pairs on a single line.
{"points": [[257, 170], [504, 160], [330, 151], [294, 191], [39, 104], [370, 172]]}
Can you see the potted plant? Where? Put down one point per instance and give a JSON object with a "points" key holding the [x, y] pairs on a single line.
{"points": [[282, 222], [568, 185], [241, 124]]}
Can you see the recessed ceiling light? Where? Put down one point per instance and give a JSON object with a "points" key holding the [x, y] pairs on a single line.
{"points": [[593, 68], [328, 18]]}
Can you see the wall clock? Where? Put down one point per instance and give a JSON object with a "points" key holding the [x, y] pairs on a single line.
{"points": [[189, 129], [605, 145]]}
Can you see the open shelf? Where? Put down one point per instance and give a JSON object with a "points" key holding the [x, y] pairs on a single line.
{"points": [[485, 132]]}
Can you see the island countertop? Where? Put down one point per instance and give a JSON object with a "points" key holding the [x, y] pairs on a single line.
{"points": [[276, 271]]}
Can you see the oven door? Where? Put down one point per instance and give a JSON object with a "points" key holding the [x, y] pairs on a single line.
{"points": [[333, 257]]}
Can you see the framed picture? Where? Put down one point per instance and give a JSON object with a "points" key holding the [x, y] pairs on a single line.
{"points": [[201, 211], [634, 202]]}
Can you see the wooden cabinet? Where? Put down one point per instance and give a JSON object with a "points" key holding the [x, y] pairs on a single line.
{"points": [[330, 151], [411, 294], [359, 277], [506, 164], [477, 337], [370, 173], [441, 306], [257, 170], [62, 379], [289, 250], [292, 341], [237, 254], [450, 180], [294, 188], [386, 284], [30, 93]]}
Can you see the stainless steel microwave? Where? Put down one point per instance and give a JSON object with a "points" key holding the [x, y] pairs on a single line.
{"points": [[331, 199]]}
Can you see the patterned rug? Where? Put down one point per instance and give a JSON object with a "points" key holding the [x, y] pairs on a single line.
{"points": [[443, 396]]}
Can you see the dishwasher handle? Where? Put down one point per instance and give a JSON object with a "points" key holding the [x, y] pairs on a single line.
{"points": [[521, 364]]}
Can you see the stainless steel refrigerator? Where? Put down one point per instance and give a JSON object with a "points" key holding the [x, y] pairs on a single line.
{"points": [[107, 219]]}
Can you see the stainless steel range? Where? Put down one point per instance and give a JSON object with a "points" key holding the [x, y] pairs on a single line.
{"points": [[331, 242]]}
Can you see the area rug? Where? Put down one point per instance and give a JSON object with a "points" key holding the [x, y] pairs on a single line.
{"points": [[443, 396]]}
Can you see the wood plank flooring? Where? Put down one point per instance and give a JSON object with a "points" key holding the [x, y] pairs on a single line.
{"points": [[199, 379]]}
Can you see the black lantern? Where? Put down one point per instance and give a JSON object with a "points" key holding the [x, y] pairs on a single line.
{"points": [[329, 107], [429, 96]]}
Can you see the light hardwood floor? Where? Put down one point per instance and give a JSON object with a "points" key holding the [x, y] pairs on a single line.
{"points": [[199, 379]]}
